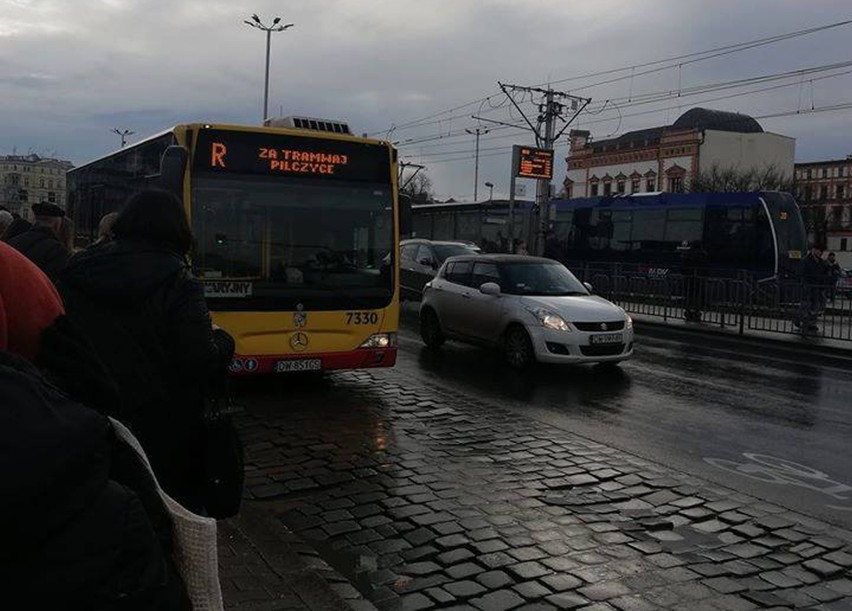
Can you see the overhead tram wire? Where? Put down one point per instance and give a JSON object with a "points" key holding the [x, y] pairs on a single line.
{"points": [[506, 149], [698, 55], [667, 94], [692, 57], [664, 96]]}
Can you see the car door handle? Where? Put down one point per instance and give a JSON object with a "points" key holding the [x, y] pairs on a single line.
{"points": [[466, 295]]}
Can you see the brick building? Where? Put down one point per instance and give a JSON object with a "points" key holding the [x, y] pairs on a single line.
{"points": [[29, 179], [667, 158], [824, 190]]}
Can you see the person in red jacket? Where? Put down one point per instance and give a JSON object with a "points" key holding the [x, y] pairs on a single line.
{"points": [[80, 527]]}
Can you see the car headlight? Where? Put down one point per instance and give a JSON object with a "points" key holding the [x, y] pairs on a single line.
{"points": [[549, 320], [380, 340], [628, 324]]}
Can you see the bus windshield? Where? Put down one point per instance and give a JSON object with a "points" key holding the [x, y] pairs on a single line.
{"points": [[267, 243]]}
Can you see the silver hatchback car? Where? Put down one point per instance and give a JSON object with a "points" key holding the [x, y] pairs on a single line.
{"points": [[534, 309]]}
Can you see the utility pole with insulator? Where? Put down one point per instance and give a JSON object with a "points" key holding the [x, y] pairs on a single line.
{"points": [[549, 111], [476, 132]]}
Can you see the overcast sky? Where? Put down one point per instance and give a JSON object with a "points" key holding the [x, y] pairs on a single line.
{"points": [[71, 70]]}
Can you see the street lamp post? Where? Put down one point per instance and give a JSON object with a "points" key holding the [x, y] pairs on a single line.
{"points": [[123, 133], [490, 186], [256, 23]]}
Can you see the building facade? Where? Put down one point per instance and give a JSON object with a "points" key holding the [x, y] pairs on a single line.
{"points": [[824, 191], [667, 158], [30, 179]]}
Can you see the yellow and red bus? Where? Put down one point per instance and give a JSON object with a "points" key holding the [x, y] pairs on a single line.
{"points": [[296, 226]]}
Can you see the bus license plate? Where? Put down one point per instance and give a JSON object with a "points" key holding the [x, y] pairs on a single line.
{"points": [[609, 338], [298, 365]]}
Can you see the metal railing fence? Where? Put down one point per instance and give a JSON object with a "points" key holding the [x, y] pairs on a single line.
{"points": [[740, 302]]}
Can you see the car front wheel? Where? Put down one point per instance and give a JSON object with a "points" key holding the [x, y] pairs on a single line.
{"points": [[518, 348], [430, 329]]}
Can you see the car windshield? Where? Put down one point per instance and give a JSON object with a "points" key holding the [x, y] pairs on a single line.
{"points": [[444, 251], [537, 278]]}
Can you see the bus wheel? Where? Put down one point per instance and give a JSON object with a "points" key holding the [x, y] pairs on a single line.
{"points": [[430, 329], [517, 348]]}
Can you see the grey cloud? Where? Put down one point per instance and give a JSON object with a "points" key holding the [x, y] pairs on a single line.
{"points": [[146, 64]]}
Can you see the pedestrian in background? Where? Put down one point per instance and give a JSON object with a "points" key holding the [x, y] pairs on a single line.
{"points": [[41, 243], [17, 227], [105, 227], [833, 275], [146, 315], [814, 283], [6, 219], [521, 248]]}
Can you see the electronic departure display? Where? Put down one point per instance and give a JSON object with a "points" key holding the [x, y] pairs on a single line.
{"points": [[533, 163], [223, 151]]}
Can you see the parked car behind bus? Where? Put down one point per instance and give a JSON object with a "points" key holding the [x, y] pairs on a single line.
{"points": [[420, 260]]}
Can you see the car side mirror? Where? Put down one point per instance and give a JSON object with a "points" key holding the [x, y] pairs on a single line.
{"points": [[588, 287], [427, 262], [490, 288]]}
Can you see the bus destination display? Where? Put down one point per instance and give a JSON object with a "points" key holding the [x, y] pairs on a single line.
{"points": [[534, 163], [224, 151]]}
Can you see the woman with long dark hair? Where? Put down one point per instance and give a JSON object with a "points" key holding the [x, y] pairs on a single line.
{"points": [[141, 307]]}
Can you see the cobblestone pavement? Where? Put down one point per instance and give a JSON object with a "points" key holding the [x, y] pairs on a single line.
{"points": [[427, 499], [264, 567]]}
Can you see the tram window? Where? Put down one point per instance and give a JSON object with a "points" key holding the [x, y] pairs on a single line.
{"points": [[620, 239], [764, 244], [730, 235], [649, 228], [685, 225]]}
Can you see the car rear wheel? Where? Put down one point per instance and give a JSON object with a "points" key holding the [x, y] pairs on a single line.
{"points": [[518, 348], [430, 329]]}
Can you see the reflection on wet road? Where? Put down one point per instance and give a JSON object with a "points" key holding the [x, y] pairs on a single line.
{"points": [[685, 404]]}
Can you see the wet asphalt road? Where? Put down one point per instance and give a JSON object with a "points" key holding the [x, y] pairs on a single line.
{"points": [[766, 425]]}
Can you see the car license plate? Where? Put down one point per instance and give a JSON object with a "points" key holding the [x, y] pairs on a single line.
{"points": [[298, 365], [609, 338]]}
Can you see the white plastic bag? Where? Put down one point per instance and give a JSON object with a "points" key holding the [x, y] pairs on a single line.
{"points": [[195, 553]]}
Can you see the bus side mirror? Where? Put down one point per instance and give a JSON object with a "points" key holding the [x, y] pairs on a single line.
{"points": [[172, 169], [405, 217]]}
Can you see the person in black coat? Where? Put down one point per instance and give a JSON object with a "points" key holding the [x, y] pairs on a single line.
{"points": [[146, 315], [40, 244], [815, 279], [84, 525]]}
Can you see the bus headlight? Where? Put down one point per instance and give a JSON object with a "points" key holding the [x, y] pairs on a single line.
{"points": [[380, 340]]}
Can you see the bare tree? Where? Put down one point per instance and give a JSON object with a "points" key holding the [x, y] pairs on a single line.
{"points": [[732, 179], [418, 186]]}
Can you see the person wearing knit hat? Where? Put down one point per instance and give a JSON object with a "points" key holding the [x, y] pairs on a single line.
{"points": [[29, 303], [40, 244]]}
